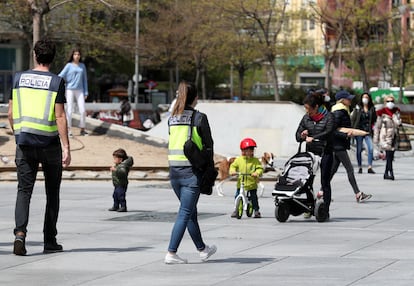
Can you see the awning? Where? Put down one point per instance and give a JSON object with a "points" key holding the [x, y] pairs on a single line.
{"points": [[318, 61]]}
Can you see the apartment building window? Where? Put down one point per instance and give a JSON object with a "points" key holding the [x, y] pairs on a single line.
{"points": [[286, 24], [307, 2], [396, 3], [311, 24], [304, 25]]}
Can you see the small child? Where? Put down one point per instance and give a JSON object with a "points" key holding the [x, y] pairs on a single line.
{"points": [[248, 164], [120, 179]]}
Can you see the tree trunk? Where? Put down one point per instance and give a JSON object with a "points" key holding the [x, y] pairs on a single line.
{"points": [[364, 76], [401, 80], [275, 80], [328, 79], [171, 94], [241, 82], [197, 77], [36, 33], [203, 83]]}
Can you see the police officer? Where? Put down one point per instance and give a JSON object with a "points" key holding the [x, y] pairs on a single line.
{"points": [[185, 178], [38, 119]]}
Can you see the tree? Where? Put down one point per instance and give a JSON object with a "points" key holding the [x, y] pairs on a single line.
{"points": [[29, 16], [17, 15], [366, 34], [206, 38], [239, 47], [266, 21], [361, 28], [165, 37], [401, 39], [333, 22]]}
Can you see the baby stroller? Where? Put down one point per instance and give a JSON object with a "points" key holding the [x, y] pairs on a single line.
{"points": [[293, 193]]}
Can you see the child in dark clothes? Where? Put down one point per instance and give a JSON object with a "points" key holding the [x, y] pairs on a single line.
{"points": [[120, 171]]}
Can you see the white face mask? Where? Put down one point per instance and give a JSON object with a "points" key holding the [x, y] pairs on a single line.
{"points": [[326, 98], [365, 101], [390, 105]]}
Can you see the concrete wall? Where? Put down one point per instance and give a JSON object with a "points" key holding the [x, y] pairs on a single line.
{"points": [[271, 125]]}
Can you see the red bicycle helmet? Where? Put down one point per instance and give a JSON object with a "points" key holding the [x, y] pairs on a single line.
{"points": [[247, 143]]}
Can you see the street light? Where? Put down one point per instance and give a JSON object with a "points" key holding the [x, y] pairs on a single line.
{"points": [[137, 77]]}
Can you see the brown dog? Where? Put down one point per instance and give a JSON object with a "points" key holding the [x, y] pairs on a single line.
{"points": [[223, 168], [268, 160]]}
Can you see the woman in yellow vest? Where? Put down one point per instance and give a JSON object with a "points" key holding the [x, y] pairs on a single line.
{"points": [[185, 178]]}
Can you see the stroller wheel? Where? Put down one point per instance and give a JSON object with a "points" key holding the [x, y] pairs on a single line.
{"points": [[282, 212], [321, 213]]}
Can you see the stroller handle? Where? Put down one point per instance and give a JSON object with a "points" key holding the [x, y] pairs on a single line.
{"points": [[300, 144]]}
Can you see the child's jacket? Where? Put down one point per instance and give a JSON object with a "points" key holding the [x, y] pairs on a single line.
{"points": [[120, 174], [245, 165]]}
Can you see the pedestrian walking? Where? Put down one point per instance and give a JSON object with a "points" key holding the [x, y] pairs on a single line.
{"points": [[76, 80], [341, 142], [316, 128], [385, 133], [363, 117], [185, 178], [38, 119]]}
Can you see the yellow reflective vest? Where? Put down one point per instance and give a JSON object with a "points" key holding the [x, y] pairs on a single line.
{"points": [[34, 97], [179, 131]]}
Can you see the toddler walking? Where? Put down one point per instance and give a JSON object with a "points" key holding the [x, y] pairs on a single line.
{"points": [[120, 171]]}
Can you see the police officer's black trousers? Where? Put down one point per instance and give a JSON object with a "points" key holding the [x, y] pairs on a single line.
{"points": [[27, 162]]}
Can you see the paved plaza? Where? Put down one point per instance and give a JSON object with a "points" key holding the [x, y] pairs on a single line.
{"points": [[362, 244]]}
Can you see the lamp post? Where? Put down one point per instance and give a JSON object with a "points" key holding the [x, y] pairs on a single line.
{"points": [[136, 54]]}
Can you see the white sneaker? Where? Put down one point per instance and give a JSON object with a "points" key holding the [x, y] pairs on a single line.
{"points": [[207, 252], [174, 259]]}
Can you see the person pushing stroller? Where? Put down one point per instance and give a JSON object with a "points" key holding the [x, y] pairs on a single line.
{"points": [[247, 164], [316, 129]]}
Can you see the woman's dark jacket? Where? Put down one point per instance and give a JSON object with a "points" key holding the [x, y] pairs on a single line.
{"points": [[321, 131], [356, 118], [341, 141]]}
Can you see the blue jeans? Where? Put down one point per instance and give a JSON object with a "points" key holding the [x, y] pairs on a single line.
{"points": [[368, 142], [27, 162], [253, 198], [187, 191], [119, 196]]}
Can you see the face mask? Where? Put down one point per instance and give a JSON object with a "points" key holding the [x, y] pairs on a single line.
{"points": [[326, 98], [390, 105], [365, 101]]}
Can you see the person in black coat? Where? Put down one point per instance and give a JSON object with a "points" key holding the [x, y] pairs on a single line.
{"points": [[341, 141], [363, 117], [315, 129]]}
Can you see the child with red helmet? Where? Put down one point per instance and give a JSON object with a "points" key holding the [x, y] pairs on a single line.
{"points": [[247, 163]]}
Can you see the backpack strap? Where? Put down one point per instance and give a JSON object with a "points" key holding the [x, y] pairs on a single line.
{"points": [[190, 130]]}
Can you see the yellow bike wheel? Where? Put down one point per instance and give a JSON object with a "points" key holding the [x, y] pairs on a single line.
{"points": [[239, 208]]}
